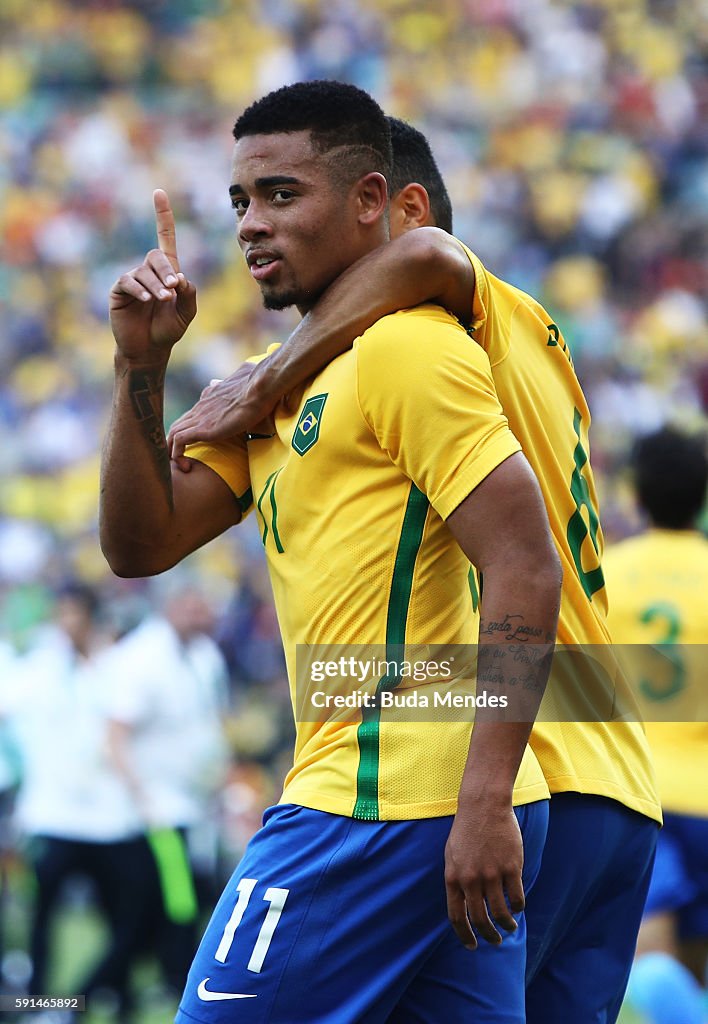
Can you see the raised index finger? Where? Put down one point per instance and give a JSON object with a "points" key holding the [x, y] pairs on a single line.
{"points": [[165, 221]]}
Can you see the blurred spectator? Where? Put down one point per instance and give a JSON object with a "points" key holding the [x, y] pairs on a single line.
{"points": [[9, 767], [9, 777], [168, 696], [658, 591], [73, 810]]}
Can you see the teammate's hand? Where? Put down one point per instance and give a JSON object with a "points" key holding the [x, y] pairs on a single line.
{"points": [[152, 305], [225, 408], [483, 861]]}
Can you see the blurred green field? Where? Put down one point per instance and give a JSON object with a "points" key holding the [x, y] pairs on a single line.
{"points": [[79, 940], [79, 937]]}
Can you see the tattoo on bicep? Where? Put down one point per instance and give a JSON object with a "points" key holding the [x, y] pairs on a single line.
{"points": [[146, 399]]}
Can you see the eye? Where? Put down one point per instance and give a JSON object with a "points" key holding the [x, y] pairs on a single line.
{"points": [[282, 195], [239, 204]]}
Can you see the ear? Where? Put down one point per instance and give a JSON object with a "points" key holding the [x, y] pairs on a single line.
{"points": [[410, 208], [372, 198]]}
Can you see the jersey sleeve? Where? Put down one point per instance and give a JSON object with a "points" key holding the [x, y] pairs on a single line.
{"points": [[273, 347], [493, 305], [229, 459], [426, 391], [480, 295]]}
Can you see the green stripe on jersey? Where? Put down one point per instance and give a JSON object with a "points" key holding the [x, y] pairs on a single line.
{"points": [[366, 807], [274, 521], [472, 580], [260, 503]]}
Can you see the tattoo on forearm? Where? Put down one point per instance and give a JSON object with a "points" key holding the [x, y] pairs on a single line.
{"points": [[514, 654], [511, 627], [145, 390]]}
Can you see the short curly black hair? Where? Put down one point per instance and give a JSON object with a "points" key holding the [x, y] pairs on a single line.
{"points": [[413, 160], [344, 121], [671, 473]]}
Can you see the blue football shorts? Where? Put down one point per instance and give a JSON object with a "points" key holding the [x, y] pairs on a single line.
{"points": [[583, 914], [679, 882], [328, 920]]}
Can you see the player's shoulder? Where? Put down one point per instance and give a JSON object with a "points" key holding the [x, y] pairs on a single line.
{"points": [[405, 323], [627, 552], [698, 542], [417, 343], [655, 546], [420, 348], [693, 555], [421, 333]]}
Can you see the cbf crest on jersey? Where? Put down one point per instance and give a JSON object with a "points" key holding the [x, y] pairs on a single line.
{"points": [[307, 430]]}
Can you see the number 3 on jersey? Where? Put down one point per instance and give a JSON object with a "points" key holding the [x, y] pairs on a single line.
{"points": [[592, 580], [667, 615], [276, 898]]}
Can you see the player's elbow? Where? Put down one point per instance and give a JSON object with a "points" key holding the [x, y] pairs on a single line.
{"points": [[438, 258], [527, 566], [550, 573], [544, 558], [537, 558], [538, 571], [129, 560], [431, 250], [125, 567]]}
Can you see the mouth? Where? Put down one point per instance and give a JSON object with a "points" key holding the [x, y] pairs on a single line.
{"points": [[263, 265]]}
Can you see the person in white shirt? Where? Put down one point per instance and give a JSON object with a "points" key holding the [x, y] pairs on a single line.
{"points": [[73, 810], [167, 698]]}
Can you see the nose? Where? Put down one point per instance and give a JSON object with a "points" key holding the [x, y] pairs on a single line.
{"points": [[254, 224]]}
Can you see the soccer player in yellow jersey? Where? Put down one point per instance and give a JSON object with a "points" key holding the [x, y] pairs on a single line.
{"points": [[658, 586], [374, 488], [598, 772]]}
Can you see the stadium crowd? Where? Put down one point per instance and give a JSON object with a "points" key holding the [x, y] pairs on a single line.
{"points": [[572, 138]]}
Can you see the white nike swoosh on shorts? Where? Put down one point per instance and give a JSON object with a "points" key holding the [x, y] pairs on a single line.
{"points": [[207, 996]]}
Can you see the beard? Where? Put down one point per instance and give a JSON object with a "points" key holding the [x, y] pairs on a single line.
{"points": [[294, 292], [303, 299], [282, 300]]}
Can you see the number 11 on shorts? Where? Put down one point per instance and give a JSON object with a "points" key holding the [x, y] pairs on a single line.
{"points": [[276, 898]]}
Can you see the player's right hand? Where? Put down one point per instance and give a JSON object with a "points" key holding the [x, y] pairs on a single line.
{"points": [[226, 408], [153, 305]]}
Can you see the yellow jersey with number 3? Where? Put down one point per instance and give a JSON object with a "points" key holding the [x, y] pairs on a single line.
{"points": [[540, 394], [351, 495], [658, 585]]}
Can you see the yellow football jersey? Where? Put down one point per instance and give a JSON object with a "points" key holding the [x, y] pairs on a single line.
{"points": [[351, 494], [658, 589], [539, 391]]}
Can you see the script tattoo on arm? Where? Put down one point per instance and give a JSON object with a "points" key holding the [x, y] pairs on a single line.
{"points": [[146, 398], [514, 658], [511, 628]]}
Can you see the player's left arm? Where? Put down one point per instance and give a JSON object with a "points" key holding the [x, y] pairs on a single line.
{"points": [[502, 527]]}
